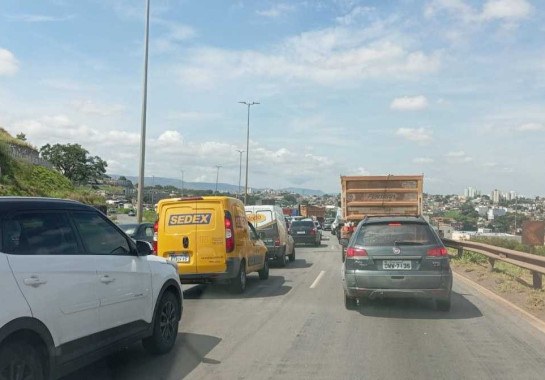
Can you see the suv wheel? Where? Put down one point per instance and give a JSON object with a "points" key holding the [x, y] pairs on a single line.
{"points": [[20, 360], [350, 303], [238, 284], [264, 272], [165, 325], [292, 255], [443, 305]]}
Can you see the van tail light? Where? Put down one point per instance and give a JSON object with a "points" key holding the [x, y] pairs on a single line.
{"points": [[229, 233], [353, 252], [437, 252], [277, 243], [155, 243]]}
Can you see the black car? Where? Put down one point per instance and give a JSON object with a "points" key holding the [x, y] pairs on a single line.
{"points": [[305, 232], [142, 231]]}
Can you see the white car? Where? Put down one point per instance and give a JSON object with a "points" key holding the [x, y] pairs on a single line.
{"points": [[74, 287]]}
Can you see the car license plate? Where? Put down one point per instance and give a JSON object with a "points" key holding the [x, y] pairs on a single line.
{"points": [[396, 264], [300, 232], [182, 258]]}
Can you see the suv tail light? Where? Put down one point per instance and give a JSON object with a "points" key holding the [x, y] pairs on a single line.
{"points": [[437, 251], [155, 243], [353, 252], [277, 243], [313, 231], [229, 233]]}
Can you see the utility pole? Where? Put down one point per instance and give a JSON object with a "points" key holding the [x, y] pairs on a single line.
{"points": [[182, 183], [249, 104], [139, 208], [217, 177], [240, 151]]}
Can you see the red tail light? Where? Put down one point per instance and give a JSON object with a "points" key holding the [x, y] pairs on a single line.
{"points": [[155, 243], [352, 252], [437, 251], [277, 243], [229, 233], [313, 231]]}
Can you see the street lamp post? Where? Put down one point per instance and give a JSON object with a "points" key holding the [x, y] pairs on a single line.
{"points": [[240, 151], [143, 127], [217, 176], [249, 104]]}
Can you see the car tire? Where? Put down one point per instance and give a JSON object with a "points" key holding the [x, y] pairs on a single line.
{"points": [[264, 272], [21, 360], [282, 260], [238, 284], [165, 325], [292, 255], [350, 303], [443, 305]]}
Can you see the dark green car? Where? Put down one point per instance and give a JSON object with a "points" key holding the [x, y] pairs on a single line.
{"points": [[402, 257]]}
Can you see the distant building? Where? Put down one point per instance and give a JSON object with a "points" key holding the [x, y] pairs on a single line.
{"points": [[495, 196], [495, 212], [482, 210]]}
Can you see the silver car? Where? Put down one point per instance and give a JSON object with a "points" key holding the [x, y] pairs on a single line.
{"points": [[396, 257]]}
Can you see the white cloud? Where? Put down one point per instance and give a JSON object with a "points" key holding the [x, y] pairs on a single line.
{"points": [[276, 10], [8, 62], [354, 15], [409, 103], [423, 160], [61, 84], [508, 11], [38, 18], [175, 34], [92, 108], [530, 127], [458, 157], [420, 135]]}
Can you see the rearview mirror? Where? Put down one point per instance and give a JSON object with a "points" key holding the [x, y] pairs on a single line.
{"points": [[144, 248]]}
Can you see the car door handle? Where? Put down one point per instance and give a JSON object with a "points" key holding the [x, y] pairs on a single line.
{"points": [[34, 281], [106, 279]]}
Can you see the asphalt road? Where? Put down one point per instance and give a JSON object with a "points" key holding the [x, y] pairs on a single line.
{"points": [[295, 326]]}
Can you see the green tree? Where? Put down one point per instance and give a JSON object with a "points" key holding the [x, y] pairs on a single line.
{"points": [[21, 136], [73, 162]]}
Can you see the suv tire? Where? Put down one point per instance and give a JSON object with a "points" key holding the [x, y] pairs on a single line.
{"points": [[264, 272], [238, 284], [20, 360], [165, 325], [350, 303]]}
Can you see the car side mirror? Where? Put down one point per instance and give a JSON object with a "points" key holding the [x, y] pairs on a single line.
{"points": [[144, 248]]}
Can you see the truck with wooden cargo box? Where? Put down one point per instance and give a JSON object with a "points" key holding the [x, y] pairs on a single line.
{"points": [[385, 195]]}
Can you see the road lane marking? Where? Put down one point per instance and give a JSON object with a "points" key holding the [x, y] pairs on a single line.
{"points": [[533, 320], [315, 283]]}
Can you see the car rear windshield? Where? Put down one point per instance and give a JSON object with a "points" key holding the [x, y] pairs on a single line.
{"points": [[303, 223], [270, 231], [395, 233]]}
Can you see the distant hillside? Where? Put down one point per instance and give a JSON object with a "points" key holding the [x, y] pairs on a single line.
{"points": [[222, 187]]}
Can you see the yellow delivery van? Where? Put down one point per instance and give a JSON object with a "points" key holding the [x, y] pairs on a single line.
{"points": [[211, 240]]}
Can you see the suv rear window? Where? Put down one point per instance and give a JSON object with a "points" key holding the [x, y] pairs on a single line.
{"points": [[390, 234], [303, 224]]}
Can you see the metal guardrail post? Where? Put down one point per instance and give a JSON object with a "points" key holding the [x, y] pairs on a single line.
{"points": [[491, 263], [460, 252], [537, 280]]}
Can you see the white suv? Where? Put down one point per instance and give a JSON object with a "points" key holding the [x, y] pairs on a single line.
{"points": [[74, 287]]}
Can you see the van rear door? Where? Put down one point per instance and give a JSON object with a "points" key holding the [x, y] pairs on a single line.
{"points": [[210, 229], [179, 240]]}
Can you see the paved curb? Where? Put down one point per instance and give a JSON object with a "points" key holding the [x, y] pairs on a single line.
{"points": [[532, 319]]}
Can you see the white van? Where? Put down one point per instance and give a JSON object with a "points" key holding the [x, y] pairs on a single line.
{"points": [[272, 225]]}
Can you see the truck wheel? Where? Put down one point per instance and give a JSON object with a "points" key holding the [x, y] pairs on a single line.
{"points": [[20, 360], [292, 255], [165, 325], [264, 272], [238, 284]]}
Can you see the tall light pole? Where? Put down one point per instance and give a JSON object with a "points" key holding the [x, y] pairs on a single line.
{"points": [[249, 104], [182, 183], [217, 176], [240, 151], [139, 208]]}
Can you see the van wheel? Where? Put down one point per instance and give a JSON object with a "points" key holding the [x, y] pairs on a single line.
{"points": [[238, 284], [282, 260], [264, 272], [292, 255], [165, 325], [20, 360]]}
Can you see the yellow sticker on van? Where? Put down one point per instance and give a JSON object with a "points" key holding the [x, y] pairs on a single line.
{"points": [[256, 218], [182, 219]]}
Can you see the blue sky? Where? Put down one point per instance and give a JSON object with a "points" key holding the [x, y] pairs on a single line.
{"points": [[453, 89]]}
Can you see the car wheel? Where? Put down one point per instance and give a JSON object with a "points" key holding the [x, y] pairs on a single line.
{"points": [[20, 360], [238, 284], [282, 259], [165, 325], [443, 305], [292, 255], [350, 303], [264, 272]]}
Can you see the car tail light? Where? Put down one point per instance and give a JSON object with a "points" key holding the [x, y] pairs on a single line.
{"points": [[353, 252], [313, 231], [277, 243], [437, 251], [229, 233], [155, 242], [394, 224]]}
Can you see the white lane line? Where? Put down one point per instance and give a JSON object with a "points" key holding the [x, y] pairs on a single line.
{"points": [[315, 283]]}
